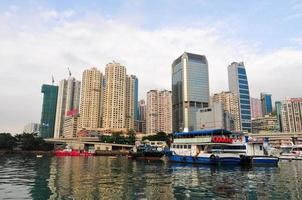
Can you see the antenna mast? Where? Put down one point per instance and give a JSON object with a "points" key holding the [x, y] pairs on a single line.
{"points": [[69, 71], [52, 80]]}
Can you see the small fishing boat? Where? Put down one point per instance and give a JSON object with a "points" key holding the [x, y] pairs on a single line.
{"points": [[293, 152]]}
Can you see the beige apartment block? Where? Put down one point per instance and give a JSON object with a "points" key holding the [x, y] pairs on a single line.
{"points": [[291, 115], [114, 108], [230, 105], [91, 95], [159, 111]]}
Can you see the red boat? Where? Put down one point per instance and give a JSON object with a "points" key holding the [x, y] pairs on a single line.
{"points": [[72, 152]]}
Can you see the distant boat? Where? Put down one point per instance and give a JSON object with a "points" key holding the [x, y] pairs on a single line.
{"points": [[71, 152], [147, 152], [293, 152]]}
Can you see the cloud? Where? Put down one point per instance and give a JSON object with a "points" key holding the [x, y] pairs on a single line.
{"points": [[30, 56]]}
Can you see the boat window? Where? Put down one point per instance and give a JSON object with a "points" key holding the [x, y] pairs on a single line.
{"points": [[177, 146], [260, 147], [185, 146], [180, 146], [189, 146], [173, 146]]}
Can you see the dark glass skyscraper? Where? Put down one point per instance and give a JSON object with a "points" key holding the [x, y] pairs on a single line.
{"points": [[238, 84], [48, 115], [266, 103], [190, 90]]}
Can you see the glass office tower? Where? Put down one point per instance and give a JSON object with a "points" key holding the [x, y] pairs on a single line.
{"points": [[238, 84], [48, 115], [266, 103], [190, 90]]}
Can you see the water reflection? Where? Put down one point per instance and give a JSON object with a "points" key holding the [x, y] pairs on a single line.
{"points": [[119, 178]]}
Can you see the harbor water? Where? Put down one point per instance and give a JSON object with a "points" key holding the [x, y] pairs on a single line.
{"points": [[28, 177]]}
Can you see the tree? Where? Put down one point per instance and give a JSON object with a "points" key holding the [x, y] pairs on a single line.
{"points": [[7, 141]]}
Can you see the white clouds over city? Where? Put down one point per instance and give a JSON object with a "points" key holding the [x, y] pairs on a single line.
{"points": [[34, 49]]}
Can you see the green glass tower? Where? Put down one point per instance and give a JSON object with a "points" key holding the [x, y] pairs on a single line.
{"points": [[48, 115]]}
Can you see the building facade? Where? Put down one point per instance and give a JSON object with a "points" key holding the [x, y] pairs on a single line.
{"points": [[230, 105], [266, 104], [256, 109], [120, 106], [68, 100], [279, 114], [190, 90], [291, 115], [159, 111], [214, 117], [238, 84], [142, 108], [48, 116], [91, 95], [267, 123], [31, 128]]}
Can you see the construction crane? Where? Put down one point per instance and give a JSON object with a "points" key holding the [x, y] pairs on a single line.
{"points": [[69, 71], [52, 79]]}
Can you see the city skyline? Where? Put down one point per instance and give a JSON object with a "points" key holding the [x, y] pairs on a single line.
{"points": [[71, 36]]}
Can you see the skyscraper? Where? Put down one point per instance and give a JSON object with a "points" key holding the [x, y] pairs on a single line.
{"points": [[190, 90], [291, 115], [142, 107], [91, 95], [48, 115], [279, 114], [230, 105], [159, 111], [266, 103], [131, 99], [256, 109], [238, 84], [68, 100]]}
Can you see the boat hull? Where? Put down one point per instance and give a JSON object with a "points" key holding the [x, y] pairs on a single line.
{"points": [[260, 160], [205, 160], [147, 155], [72, 153]]}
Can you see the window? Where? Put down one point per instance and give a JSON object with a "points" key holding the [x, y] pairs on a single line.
{"points": [[247, 112], [245, 107], [185, 146], [260, 147], [243, 91], [243, 81], [241, 71], [189, 146], [242, 96], [177, 146], [180, 146], [243, 87], [245, 101], [242, 77], [246, 117]]}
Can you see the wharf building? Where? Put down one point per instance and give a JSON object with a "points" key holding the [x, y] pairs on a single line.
{"points": [[230, 104], [238, 84], [291, 115], [266, 104], [31, 128], [68, 100], [214, 117], [190, 90], [48, 115], [256, 109], [159, 111]]}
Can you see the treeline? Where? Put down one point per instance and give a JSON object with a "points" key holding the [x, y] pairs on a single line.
{"points": [[24, 141], [119, 138], [160, 136]]}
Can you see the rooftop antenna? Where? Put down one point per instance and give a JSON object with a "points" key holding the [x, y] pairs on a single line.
{"points": [[52, 79], [69, 71]]}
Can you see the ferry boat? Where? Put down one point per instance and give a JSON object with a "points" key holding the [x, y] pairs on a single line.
{"points": [[146, 151], [67, 151], [212, 146], [218, 146], [293, 152]]}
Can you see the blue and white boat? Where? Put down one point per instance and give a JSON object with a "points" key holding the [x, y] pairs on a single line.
{"points": [[219, 147], [213, 146]]}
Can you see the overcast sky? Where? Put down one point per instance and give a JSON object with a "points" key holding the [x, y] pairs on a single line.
{"points": [[39, 39]]}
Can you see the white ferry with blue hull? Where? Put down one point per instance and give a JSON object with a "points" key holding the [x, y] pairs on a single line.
{"points": [[215, 146], [218, 147]]}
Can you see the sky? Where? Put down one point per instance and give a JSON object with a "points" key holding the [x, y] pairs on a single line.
{"points": [[39, 39]]}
